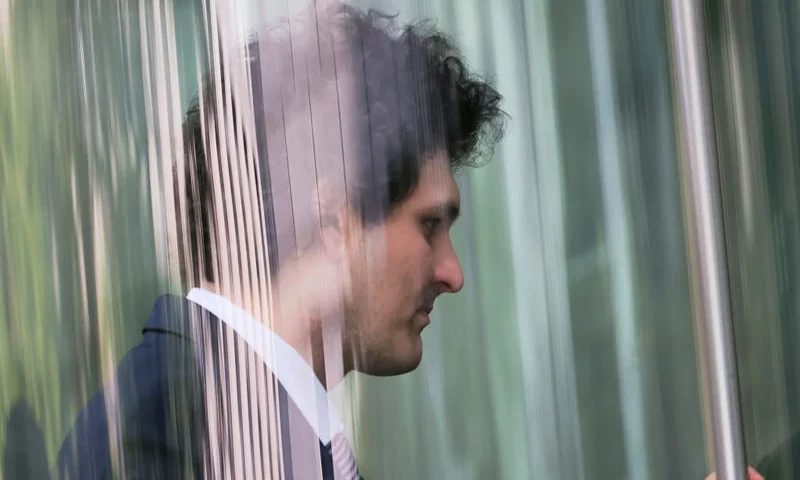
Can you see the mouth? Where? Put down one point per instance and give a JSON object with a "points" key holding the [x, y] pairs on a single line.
{"points": [[425, 314], [423, 319], [425, 309]]}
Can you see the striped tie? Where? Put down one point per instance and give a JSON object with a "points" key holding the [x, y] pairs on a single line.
{"points": [[344, 463]]}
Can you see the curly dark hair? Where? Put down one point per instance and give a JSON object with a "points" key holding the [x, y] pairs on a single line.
{"points": [[414, 97]]}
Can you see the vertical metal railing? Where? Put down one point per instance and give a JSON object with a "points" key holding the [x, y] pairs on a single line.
{"points": [[705, 235]]}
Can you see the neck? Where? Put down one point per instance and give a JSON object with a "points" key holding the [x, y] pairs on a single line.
{"points": [[303, 311]]}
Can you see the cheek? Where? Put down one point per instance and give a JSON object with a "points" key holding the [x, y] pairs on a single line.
{"points": [[411, 272], [400, 263]]}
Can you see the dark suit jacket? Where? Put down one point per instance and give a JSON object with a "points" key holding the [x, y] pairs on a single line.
{"points": [[191, 401]]}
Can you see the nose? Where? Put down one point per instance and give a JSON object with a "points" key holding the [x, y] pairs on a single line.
{"points": [[447, 271]]}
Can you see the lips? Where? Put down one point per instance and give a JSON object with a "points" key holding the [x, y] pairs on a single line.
{"points": [[427, 302]]}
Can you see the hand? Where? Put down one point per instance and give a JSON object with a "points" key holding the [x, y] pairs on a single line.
{"points": [[751, 475]]}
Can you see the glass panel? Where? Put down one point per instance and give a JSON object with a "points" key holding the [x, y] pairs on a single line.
{"points": [[569, 353], [756, 64], [578, 316]]}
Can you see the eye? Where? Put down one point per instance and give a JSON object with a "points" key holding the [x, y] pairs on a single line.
{"points": [[430, 225]]}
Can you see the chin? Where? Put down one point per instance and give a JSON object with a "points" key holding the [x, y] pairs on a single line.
{"points": [[394, 370], [410, 365], [401, 362]]}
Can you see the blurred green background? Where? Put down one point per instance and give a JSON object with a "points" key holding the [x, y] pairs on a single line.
{"points": [[571, 351]]}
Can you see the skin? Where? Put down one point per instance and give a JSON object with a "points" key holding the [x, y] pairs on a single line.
{"points": [[361, 298], [398, 269], [751, 475]]}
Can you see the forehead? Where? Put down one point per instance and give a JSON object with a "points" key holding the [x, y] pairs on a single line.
{"points": [[437, 185]]}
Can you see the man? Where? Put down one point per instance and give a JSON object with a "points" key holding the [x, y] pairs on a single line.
{"points": [[313, 232]]}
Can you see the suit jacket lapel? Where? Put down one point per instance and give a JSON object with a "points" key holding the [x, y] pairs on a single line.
{"points": [[243, 401]]}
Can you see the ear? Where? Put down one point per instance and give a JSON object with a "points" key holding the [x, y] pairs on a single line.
{"points": [[342, 232], [333, 241]]}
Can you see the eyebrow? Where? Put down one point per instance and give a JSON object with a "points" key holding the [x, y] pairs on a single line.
{"points": [[453, 211], [450, 210]]}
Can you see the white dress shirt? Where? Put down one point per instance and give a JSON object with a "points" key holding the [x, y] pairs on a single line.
{"points": [[292, 371]]}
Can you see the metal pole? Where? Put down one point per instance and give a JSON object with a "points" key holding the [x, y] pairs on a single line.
{"points": [[705, 235]]}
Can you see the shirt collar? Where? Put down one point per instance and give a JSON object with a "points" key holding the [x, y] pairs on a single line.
{"points": [[290, 368]]}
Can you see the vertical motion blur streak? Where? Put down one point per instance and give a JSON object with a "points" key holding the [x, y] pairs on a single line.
{"points": [[169, 164]]}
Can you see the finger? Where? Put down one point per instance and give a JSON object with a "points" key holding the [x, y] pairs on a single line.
{"points": [[752, 474]]}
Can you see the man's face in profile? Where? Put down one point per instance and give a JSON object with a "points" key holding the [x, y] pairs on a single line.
{"points": [[361, 118], [398, 268]]}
